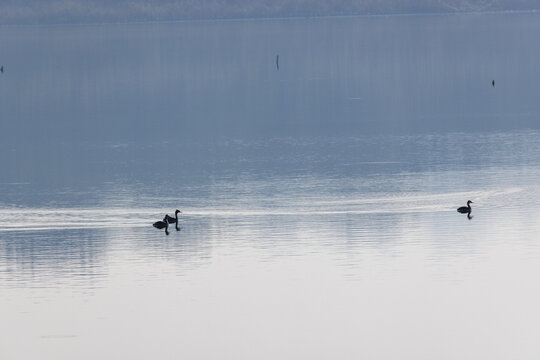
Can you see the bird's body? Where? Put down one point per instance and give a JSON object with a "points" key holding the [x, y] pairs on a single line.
{"points": [[277, 62], [170, 219], [162, 224], [2, 69], [465, 209], [173, 220], [493, 83]]}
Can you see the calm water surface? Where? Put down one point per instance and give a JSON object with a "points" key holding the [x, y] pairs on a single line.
{"points": [[318, 200]]}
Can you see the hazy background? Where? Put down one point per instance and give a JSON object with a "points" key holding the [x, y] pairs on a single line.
{"points": [[83, 11], [201, 80]]}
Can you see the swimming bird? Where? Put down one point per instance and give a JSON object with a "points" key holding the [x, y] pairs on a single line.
{"points": [[173, 220], [277, 61], [493, 83], [465, 209], [162, 224], [2, 69]]}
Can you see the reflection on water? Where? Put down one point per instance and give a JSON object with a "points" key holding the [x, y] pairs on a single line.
{"points": [[331, 247], [296, 241]]}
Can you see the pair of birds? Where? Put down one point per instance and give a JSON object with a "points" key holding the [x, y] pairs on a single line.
{"points": [[466, 209], [166, 221]]}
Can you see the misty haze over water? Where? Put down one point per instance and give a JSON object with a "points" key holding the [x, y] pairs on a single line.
{"points": [[349, 76]]}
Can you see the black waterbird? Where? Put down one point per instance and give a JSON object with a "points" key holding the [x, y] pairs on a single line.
{"points": [[465, 209], [162, 224], [173, 220]]}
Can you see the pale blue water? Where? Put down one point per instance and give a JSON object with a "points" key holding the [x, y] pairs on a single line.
{"points": [[318, 200]]}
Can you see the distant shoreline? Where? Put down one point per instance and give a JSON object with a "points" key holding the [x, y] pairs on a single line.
{"points": [[261, 18]]}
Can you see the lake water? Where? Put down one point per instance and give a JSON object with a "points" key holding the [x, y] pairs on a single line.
{"points": [[318, 199]]}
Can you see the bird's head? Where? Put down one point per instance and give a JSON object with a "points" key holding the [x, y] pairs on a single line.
{"points": [[177, 211], [469, 202]]}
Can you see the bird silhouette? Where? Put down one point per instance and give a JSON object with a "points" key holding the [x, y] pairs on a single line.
{"points": [[465, 209], [162, 224], [493, 83], [173, 220]]}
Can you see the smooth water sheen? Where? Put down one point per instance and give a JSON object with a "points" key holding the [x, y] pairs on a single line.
{"points": [[318, 200]]}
